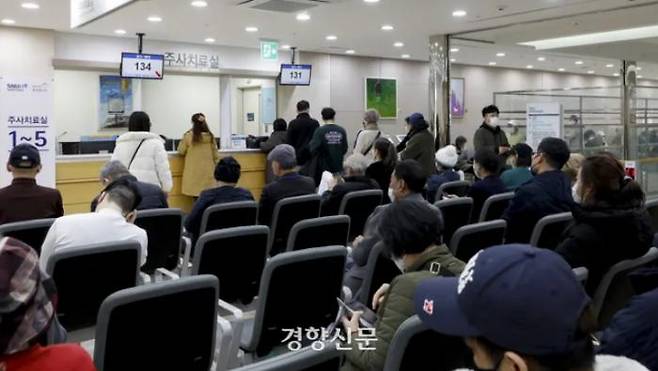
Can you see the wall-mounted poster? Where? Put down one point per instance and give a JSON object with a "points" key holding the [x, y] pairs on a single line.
{"points": [[382, 95], [457, 97], [116, 102]]}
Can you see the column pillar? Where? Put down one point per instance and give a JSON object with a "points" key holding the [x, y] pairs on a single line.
{"points": [[439, 88], [629, 105]]}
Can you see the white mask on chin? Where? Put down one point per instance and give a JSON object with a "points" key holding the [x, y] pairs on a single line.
{"points": [[493, 122], [391, 194], [574, 193], [399, 262]]}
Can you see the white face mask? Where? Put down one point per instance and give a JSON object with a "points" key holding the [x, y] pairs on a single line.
{"points": [[399, 262], [575, 195], [476, 171], [391, 194], [493, 121]]}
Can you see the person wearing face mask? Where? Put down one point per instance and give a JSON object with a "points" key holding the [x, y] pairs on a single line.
{"points": [[365, 139], [485, 167], [407, 230], [112, 221], [610, 223], [547, 193], [489, 135], [418, 144]]}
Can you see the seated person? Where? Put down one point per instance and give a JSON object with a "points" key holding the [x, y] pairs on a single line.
{"points": [[24, 199], [381, 169], [486, 166], [289, 183], [446, 159], [152, 196], [407, 228], [610, 223], [227, 174], [112, 221], [572, 167], [355, 179], [520, 174], [27, 304], [514, 318], [547, 193]]}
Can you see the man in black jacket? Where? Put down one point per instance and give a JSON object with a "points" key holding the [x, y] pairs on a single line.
{"points": [[489, 135], [152, 195], [549, 192], [355, 180], [300, 132], [289, 184]]}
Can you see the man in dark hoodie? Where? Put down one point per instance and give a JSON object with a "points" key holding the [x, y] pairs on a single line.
{"points": [[329, 145], [489, 135], [549, 192]]}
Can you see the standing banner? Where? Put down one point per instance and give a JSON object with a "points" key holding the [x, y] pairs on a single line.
{"points": [[543, 120], [26, 117]]}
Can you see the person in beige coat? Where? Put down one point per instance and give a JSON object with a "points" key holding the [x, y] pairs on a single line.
{"points": [[201, 155]]}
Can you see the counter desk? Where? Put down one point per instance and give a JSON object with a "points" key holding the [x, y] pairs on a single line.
{"points": [[78, 177]]}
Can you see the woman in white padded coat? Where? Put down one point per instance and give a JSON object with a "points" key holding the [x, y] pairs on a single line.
{"points": [[143, 153]]}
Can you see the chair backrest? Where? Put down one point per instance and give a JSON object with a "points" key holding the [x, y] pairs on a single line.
{"points": [[615, 289], [470, 239], [548, 231], [318, 232], [236, 256], [287, 212], [162, 326], [86, 275], [229, 215], [308, 359], [456, 214], [652, 208], [164, 228], [495, 206], [31, 232], [379, 270], [459, 188], [298, 289], [358, 206], [414, 346]]}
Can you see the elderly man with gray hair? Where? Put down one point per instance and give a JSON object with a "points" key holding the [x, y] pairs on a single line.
{"points": [[289, 183], [365, 138], [354, 179], [152, 196]]}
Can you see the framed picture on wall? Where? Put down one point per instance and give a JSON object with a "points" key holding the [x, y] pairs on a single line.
{"points": [[116, 102], [382, 94], [457, 97]]}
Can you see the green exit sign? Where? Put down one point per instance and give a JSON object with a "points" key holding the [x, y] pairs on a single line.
{"points": [[269, 50]]}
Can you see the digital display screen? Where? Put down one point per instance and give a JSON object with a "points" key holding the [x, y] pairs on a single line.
{"points": [[142, 66], [296, 74]]}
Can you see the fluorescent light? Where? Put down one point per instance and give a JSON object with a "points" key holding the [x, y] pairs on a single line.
{"points": [[453, 60], [541, 59], [595, 38], [285, 46], [616, 74], [398, 44], [387, 27], [370, 1], [8, 21], [406, 56], [591, 72], [154, 18], [639, 76], [579, 62], [454, 50], [199, 4], [561, 69], [209, 40], [501, 54], [120, 32], [638, 69], [351, 51], [459, 13], [609, 65], [30, 6], [529, 66], [331, 37], [303, 17], [492, 63], [251, 29]]}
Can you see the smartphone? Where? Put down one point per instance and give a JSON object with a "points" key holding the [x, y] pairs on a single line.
{"points": [[351, 311]]}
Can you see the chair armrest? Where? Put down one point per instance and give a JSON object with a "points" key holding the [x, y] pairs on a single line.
{"points": [[223, 340], [232, 349], [144, 279], [187, 251], [162, 274]]}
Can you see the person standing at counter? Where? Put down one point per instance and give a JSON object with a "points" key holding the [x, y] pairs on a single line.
{"points": [[300, 132], [143, 153], [199, 148], [278, 136]]}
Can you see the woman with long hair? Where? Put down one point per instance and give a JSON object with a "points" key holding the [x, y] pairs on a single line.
{"points": [[199, 148], [386, 158], [610, 222]]}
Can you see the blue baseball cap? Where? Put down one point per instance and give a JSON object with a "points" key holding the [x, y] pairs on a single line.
{"points": [[415, 119], [519, 297]]}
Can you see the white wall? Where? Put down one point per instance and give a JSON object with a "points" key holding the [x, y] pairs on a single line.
{"points": [[26, 52]]}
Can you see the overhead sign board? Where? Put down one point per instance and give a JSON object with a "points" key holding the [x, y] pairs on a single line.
{"points": [[85, 11]]}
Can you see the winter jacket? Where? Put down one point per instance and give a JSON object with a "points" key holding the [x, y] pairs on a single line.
{"points": [[437, 179], [611, 363], [378, 172], [514, 178], [487, 137], [200, 161], [483, 189], [365, 141], [546, 194], [398, 305], [420, 147], [277, 137], [331, 200], [299, 135], [289, 185], [329, 145], [601, 236], [151, 163], [210, 197], [152, 196]]}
